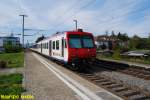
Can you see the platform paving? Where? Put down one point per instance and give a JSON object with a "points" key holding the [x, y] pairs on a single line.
{"points": [[43, 84]]}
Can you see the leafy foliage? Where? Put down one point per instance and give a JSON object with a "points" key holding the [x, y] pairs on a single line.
{"points": [[3, 64], [40, 39], [12, 49], [13, 59], [11, 84]]}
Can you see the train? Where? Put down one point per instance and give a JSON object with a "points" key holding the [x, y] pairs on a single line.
{"points": [[73, 48]]}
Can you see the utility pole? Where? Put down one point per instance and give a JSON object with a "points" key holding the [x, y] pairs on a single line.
{"points": [[76, 24], [23, 16]]}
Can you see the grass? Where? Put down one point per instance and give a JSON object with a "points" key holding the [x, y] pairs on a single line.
{"points": [[136, 60], [11, 84], [13, 59]]}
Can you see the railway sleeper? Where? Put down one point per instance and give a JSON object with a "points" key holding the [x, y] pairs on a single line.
{"points": [[85, 74], [102, 80], [119, 89], [93, 78], [107, 83], [114, 85], [138, 97], [90, 76], [147, 77], [130, 93]]}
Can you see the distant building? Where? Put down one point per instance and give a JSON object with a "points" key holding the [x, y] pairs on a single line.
{"points": [[10, 40], [108, 42]]}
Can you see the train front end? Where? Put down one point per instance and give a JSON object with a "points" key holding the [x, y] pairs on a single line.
{"points": [[81, 48]]}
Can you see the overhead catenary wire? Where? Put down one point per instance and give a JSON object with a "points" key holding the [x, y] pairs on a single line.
{"points": [[78, 11], [68, 10], [119, 17]]}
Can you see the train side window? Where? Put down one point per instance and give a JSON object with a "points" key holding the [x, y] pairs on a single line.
{"points": [[57, 45], [47, 45], [53, 44], [65, 43]]}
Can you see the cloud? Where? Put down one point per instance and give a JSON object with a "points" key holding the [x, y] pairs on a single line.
{"points": [[96, 16]]}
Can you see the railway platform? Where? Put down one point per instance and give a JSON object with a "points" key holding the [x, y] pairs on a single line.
{"points": [[46, 80]]}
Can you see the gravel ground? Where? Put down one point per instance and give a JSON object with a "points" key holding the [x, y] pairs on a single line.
{"points": [[11, 70], [42, 84], [127, 79]]}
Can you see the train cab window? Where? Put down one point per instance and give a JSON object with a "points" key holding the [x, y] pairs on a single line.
{"points": [[75, 41], [53, 44], [57, 45], [87, 41]]}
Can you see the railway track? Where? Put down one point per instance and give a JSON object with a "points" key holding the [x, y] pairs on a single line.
{"points": [[135, 71], [116, 87]]}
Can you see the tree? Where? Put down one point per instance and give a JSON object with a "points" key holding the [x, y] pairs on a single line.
{"points": [[124, 37], [113, 34], [106, 32], [134, 41], [103, 46], [40, 39]]}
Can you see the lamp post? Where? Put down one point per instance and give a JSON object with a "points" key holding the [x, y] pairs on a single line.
{"points": [[76, 24], [23, 16]]}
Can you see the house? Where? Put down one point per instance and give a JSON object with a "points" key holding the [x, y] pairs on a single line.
{"points": [[10, 40], [108, 42]]}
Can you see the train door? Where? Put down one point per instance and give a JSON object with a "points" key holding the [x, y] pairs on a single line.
{"points": [[62, 51], [50, 47], [41, 47]]}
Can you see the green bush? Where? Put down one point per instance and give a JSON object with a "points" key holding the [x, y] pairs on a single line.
{"points": [[116, 54], [11, 84], [12, 49], [3, 64], [13, 59]]}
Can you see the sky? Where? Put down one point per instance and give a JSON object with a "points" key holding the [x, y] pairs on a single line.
{"points": [[96, 16]]}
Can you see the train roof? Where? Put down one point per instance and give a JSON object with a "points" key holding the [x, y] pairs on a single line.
{"points": [[79, 31]]}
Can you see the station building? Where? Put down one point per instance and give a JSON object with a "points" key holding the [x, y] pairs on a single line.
{"points": [[11, 40]]}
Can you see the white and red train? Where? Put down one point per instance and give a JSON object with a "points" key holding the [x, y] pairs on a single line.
{"points": [[71, 47]]}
